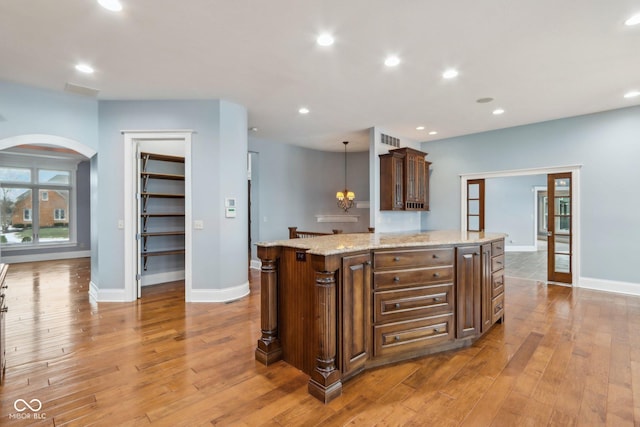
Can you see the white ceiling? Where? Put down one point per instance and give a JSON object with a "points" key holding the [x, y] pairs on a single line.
{"points": [[539, 60]]}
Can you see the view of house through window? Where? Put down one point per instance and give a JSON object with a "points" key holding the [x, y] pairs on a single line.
{"points": [[34, 206]]}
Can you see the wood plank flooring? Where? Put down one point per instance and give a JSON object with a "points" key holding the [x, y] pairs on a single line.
{"points": [[563, 357]]}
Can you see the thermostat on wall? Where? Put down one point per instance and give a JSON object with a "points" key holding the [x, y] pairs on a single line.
{"points": [[230, 207]]}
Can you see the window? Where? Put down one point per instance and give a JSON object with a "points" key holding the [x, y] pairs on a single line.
{"points": [[58, 214], [36, 202]]}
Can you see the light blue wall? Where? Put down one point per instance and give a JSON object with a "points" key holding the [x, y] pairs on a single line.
{"points": [[218, 157], [510, 207], [29, 110], [298, 183], [606, 144]]}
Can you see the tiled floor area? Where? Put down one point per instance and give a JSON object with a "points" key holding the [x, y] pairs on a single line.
{"points": [[528, 265]]}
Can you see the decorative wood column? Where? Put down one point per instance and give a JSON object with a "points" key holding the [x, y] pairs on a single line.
{"points": [[269, 349], [326, 380]]}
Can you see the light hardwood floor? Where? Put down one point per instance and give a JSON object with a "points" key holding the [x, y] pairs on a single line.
{"points": [[562, 357]]}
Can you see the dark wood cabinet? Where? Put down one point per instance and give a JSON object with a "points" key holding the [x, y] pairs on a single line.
{"points": [[333, 313], [404, 180], [468, 284], [355, 307], [486, 288]]}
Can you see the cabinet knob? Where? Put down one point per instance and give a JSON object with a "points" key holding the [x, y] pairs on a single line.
{"points": [[396, 279], [396, 258], [435, 256], [436, 274], [397, 338], [436, 299], [397, 305], [436, 330]]}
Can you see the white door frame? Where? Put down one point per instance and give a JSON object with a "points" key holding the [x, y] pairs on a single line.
{"points": [[131, 139], [575, 203]]}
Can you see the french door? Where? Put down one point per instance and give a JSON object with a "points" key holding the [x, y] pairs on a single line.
{"points": [[559, 228]]}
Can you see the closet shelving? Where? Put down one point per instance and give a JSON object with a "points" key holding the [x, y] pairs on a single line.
{"points": [[147, 216]]}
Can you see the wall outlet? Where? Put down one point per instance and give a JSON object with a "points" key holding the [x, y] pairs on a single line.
{"points": [[198, 224], [120, 224]]}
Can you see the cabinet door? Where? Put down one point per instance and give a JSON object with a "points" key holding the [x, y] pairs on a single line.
{"points": [[355, 310], [468, 283], [412, 173], [486, 288]]}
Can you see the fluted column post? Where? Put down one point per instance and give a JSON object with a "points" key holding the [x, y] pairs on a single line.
{"points": [[269, 349]]}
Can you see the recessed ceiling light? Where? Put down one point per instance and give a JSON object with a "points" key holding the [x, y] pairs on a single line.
{"points": [[484, 100], [303, 110], [634, 20], [498, 111], [325, 39], [392, 61], [632, 94], [420, 128], [433, 132], [449, 74], [84, 68], [112, 5]]}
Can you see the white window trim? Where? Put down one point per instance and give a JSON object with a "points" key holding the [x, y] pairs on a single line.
{"points": [[24, 214], [35, 163]]}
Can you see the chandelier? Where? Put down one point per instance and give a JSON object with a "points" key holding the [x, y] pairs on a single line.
{"points": [[345, 197]]}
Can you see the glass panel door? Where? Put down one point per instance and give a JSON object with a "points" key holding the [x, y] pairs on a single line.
{"points": [[475, 205], [559, 228]]}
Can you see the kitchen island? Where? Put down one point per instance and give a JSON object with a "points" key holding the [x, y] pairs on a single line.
{"points": [[335, 305]]}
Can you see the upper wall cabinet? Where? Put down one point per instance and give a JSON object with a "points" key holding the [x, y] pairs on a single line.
{"points": [[404, 180]]}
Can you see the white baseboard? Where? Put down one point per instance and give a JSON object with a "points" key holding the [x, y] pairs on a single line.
{"points": [[627, 288], [508, 248], [106, 295], [256, 264], [219, 295], [48, 256], [168, 276]]}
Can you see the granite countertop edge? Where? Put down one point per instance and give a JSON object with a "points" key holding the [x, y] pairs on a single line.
{"points": [[345, 243]]}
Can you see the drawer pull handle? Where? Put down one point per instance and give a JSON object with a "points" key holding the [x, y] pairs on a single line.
{"points": [[498, 308], [436, 330], [499, 262], [396, 279], [499, 248], [396, 258], [397, 305], [397, 338], [436, 274], [436, 299]]}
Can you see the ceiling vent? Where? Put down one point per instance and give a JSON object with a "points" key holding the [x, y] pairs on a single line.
{"points": [[390, 140], [81, 90]]}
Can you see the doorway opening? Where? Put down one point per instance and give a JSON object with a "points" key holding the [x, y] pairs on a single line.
{"points": [[532, 222]]}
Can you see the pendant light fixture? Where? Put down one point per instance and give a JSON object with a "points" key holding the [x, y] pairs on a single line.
{"points": [[345, 197]]}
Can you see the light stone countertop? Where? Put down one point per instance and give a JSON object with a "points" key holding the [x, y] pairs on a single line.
{"points": [[344, 243]]}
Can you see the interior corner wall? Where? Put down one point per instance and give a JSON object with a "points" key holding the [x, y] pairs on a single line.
{"points": [[605, 144], [297, 183]]}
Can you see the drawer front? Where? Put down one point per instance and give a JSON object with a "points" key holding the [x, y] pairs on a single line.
{"points": [[497, 248], [412, 335], [497, 284], [405, 304], [497, 308], [412, 277], [497, 263], [412, 258]]}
